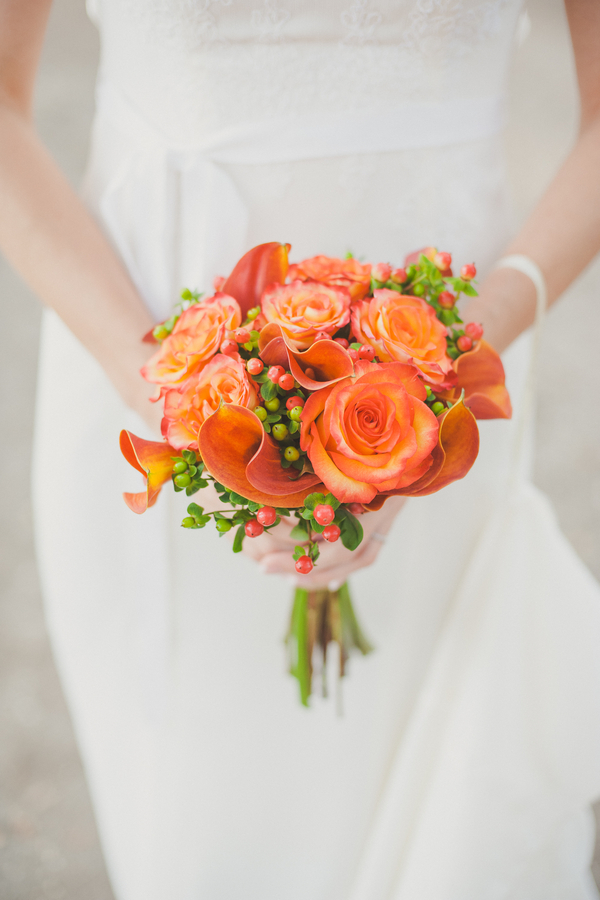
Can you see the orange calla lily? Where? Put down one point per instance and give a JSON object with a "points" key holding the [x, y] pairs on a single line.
{"points": [[239, 454], [324, 363], [261, 266], [480, 374], [153, 459], [455, 453]]}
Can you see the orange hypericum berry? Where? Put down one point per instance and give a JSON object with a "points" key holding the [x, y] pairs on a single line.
{"points": [[304, 565], [446, 300], [291, 402], [474, 330], [229, 348], [468, 272], [286, 381], [464, 343], [253, 528], [255, 366]]}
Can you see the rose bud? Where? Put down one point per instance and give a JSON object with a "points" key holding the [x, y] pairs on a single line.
{"points": [[443, 260], [381, 272], [399, 276], [468, 272], [474, 330], [464, 343], [218, 282], [446, 300]]}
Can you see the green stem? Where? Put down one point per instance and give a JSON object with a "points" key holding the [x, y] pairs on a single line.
{"points": [[298, 644]]}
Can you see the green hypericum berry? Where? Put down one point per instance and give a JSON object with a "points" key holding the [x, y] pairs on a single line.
{"points": [[429, 391], [160, 332], [180, 467], [411, 272], [223, 525], [291, 454], [186, 294], [182, 480], [280, 432], [273, 405], [437, 408], [188, 522], [295, 413], [418, 290], [261, 412], [253, 313]]}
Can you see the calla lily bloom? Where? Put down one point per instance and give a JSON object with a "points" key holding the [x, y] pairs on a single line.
{"points": [[324, 363], [261, 266], [239, 454], [480, 374], [153, 459], [455, 453]]}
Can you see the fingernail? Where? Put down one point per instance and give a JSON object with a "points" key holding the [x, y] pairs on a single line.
{"points": [[334, 585]]}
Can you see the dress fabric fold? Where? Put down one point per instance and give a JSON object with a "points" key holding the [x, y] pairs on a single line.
{"points": [[468, 752]]}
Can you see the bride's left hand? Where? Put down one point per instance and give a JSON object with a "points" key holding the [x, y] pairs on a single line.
{"points": [[335, 563]]}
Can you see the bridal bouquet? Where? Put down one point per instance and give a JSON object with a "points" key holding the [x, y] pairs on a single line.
{"points": [[315, 391]]}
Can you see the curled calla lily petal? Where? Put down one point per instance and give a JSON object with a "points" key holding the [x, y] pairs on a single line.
{"points": [[480, 373], [455, 453], [153, 459], [324, 363], [237, 452], [261, 266]]}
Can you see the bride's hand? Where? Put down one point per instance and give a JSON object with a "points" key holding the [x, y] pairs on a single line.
{"points": [[273, 551]]}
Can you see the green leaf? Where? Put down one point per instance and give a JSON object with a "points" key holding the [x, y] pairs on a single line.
{"points": [[298, 552], [239, 539], [272, 418], [282, 511], [332, 501], [253, 506], [307, 514], [350, 528], [237, 499], [268, 390], [469, 290], [316, 527], [195, 510], [293, 427], [355, 346], [189, 456], [314, 552], [313, 500], [285, 463], [298, 533], [260, 379]]}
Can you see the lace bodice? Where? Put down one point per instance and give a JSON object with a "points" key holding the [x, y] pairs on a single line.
{"points": [[197, 65]]}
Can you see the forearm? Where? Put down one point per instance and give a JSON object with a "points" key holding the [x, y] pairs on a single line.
{"points": [[562, 236], [53, 241]]}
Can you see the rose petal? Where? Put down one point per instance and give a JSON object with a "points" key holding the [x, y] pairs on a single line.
{"points": [[455, 453], [229, 440], [348, 490], [258, 268], [154, 460]]}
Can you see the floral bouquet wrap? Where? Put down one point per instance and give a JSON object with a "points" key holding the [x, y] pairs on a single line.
{"points": [[316, 391]]}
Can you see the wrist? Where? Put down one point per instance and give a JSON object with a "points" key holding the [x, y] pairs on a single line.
{"points": [[505, 307]]}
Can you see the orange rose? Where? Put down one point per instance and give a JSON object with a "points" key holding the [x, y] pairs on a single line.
{"points": [[304, 308], [223, 380], [348, 273], [194, 340], [403, 328], [370, 433]]}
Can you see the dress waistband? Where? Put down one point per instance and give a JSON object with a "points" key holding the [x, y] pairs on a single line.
{"points": [[315, 136], [175, 213]]}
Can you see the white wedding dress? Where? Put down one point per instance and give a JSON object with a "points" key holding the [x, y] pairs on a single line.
{"points": [[468, 752]]}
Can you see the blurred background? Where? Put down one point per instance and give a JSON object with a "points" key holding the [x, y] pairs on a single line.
{"points": [[48, 842]]}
